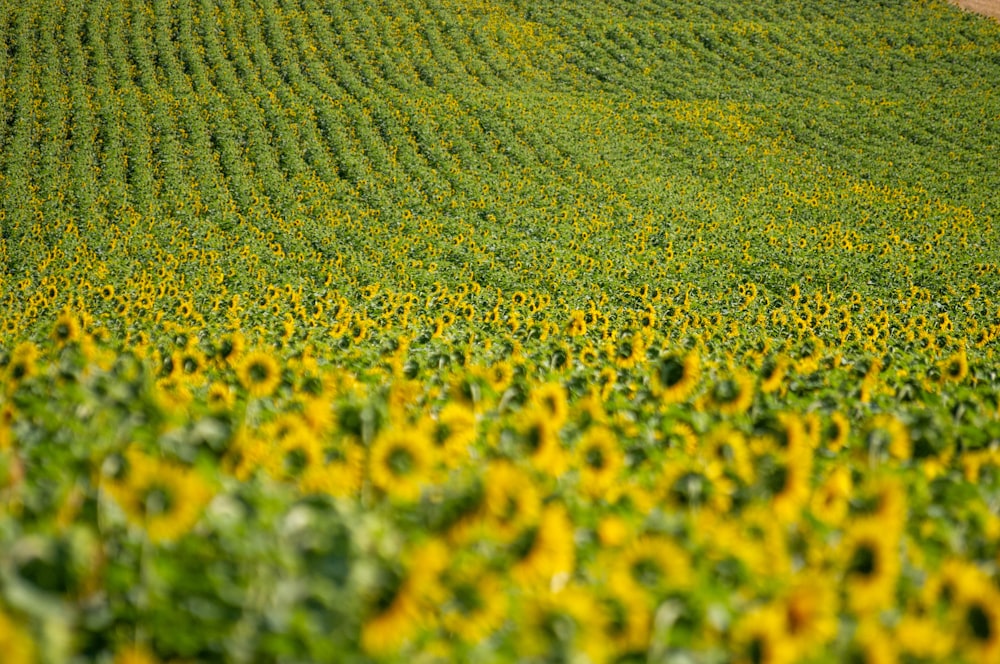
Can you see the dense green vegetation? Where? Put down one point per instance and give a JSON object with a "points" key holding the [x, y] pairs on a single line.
{"points": [[351, 330]]}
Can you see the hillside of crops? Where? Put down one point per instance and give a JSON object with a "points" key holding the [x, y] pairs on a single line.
{"points": [[499, 331]]}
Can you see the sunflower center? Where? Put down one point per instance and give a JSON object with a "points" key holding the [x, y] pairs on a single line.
{"points": [[671, 372], [617, 618], [864, 562], [536, 438], [18, 370], [595, 458], [467, 599], [979, 622], [726, 391], [295, 461], [757, 650], [259, 372], [400, 461], [511, 508], [157, 501], [797, 616], [777, 479], [646, 572]]}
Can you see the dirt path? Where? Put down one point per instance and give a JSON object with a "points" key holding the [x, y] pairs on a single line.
{"points": [[985, 7]]}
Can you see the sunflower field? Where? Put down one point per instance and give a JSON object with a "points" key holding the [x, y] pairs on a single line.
{"points": [[499, 331]]}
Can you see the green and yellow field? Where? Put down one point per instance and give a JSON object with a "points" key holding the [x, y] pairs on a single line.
{"points": [[445, 330]]}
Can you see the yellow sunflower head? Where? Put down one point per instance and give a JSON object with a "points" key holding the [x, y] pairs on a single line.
{"points": [[259, 373], [402, 463]]}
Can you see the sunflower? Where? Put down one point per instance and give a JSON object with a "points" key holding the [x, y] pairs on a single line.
{"points": [[883, 498], [680, 436], [259, 373], [340, 474], [675, 377], [229, 349], [246, 454], [401, 463], [562, 626], [588, 356], [628, 622], [627, 351], [955, 368], [550, 398], [454, 432], [474, 604], [810, 609], [772, 373], [600, 461], [724, 449], [500, 375], [829, 502], [23, 364], [870, 566], [872, 644], [651, 566], [66, 329], [220, 397], [191, 365], [540, 439], [787, 479], [731, 395], [922, 637], [547, 552], [172, 395], [577, 326], [759, 637], [836, 432], [292, 452], [978, 624], [163, 498], [511, 502], [394, 619]]}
